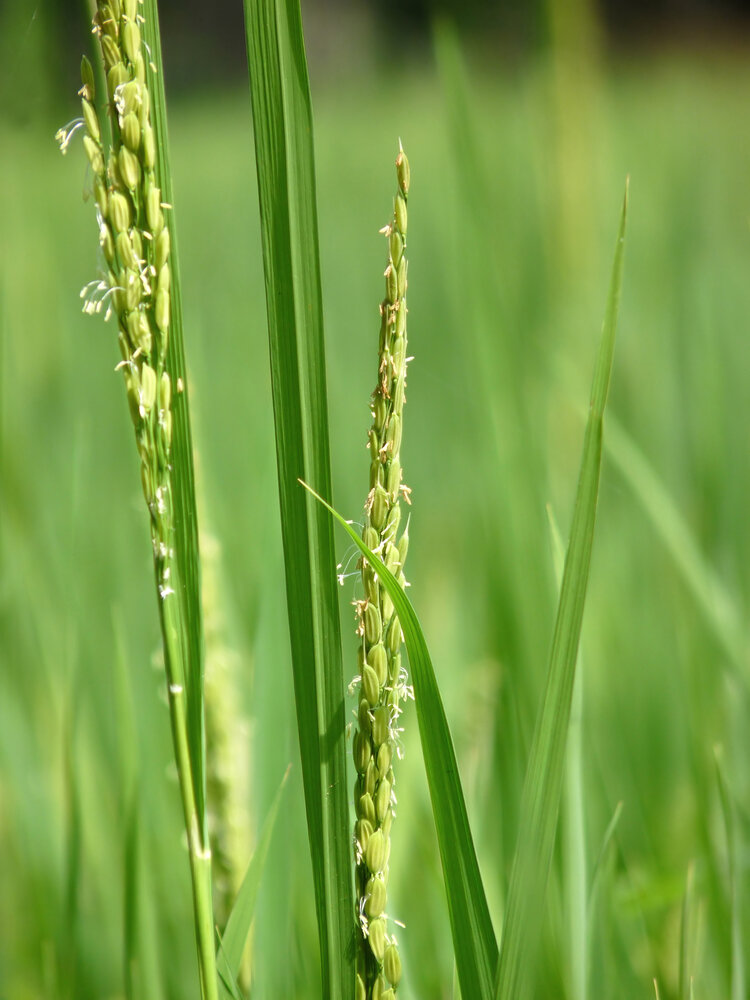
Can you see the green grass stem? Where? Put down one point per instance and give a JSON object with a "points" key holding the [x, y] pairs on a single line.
{"points": [[282, 117]]}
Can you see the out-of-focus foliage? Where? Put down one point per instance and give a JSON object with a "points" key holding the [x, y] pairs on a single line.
{"points": [[506, 295]]}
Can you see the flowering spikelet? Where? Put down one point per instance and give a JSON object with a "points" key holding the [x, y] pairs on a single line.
{"points": [[136, 288], [134, 238], [382, 678]]}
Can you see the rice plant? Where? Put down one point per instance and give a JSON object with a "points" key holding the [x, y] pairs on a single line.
{"points": [[136, 243], [644, 890], [139, 288], [382, 677]]}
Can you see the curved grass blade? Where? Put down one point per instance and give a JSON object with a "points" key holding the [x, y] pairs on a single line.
{"points": [[473, 936], [228, 984], [69, 943], [238, 926], [573, 818], [737, 977], [140, 947], [712, 597], [544, 776], [596, 871], [687, 937], [282, 119]]}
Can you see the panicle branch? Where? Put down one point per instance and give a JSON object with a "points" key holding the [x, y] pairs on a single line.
{"points": [[135, 243], [383, 683]]}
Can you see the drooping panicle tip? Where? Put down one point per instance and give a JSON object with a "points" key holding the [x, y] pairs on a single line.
{"points": [[402, 171]]}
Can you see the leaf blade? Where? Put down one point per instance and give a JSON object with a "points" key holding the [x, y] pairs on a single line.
{"points": [[543, 782], [238, 925], [282, 118]]}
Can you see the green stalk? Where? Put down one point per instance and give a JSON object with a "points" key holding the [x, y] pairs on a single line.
{"points": [[140, 288], [738, 977], [573, 825], [382, 678], [283, 134], [199, 850]]}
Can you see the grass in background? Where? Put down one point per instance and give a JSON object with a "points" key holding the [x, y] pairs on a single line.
{"points": [[658, 696]]}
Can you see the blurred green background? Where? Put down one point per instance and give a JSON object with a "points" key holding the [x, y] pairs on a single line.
{"points": [[520, 138]]}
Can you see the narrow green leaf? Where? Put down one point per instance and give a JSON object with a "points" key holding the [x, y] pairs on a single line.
{"points": [[738, 976], [140, 945], [131, 924], [228, 985], [596, 871], [282, 116], [69, 948], [687, 935], [473, 937], [712, 597], [456, 994], [573, 820], [238, 926], [543, 783]]}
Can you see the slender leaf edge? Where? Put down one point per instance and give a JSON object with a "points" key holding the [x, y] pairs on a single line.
{"points": [[240, 919], [469, 912], [543, 783]]}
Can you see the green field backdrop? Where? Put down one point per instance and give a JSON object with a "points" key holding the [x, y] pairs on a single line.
{"points": [[517, 176]]}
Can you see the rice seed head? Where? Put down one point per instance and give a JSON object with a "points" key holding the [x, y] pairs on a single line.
{"points": [[370, 684], [403, 172], [377, 659], [148, 149], [382, 799], [392, 965], [110, 50], [362, 752], [90, 119], [94, 153], [376, 939], [131, 131], [382, 677], [161, 251], [120, 212], [375, 896], [379, 988], [380, 730], [373, 622], [399, 212], [375, 851], [363, 832], [135, 244], [364, 719], [131, 40], [88, 88], [366, 808], [371, 777]]}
